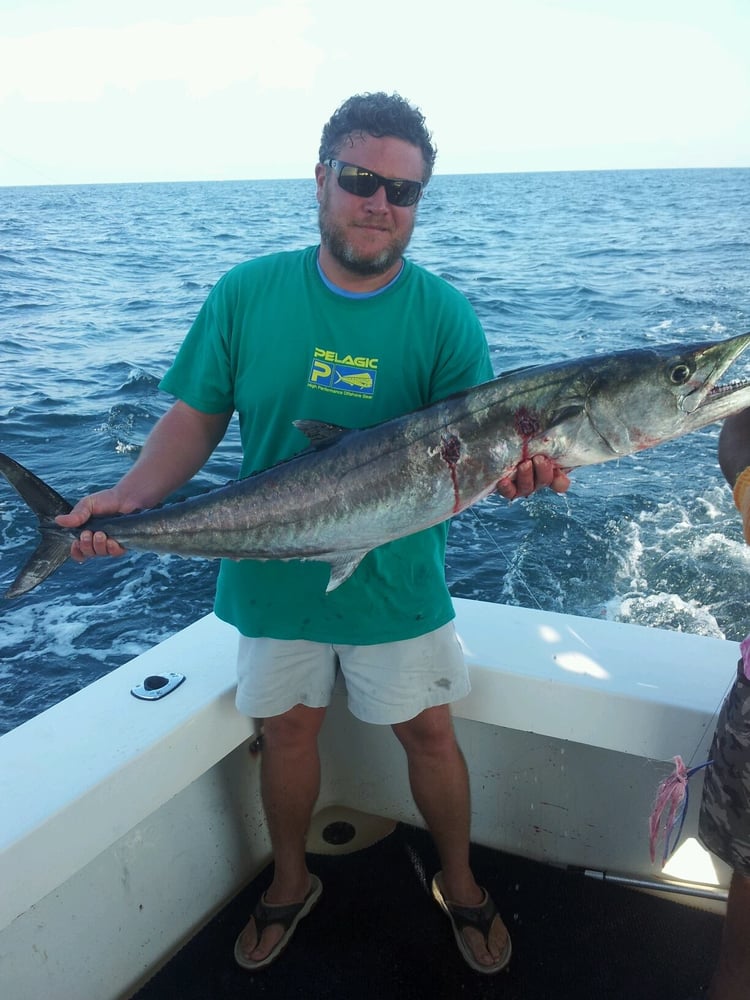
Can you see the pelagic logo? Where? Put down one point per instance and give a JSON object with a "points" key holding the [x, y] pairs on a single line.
{"points": [[348, 375]]}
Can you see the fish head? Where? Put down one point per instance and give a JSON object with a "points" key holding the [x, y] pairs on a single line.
{"points": [[644, 397], [698, 372], [610, 406]]}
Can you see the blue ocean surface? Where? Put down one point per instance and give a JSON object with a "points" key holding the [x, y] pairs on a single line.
{"points": [[99, 284]]}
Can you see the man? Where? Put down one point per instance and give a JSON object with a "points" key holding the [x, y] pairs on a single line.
{"points": [[725, 807], [350, 333]]}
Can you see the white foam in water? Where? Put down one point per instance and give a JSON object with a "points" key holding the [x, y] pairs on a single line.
{"points": [[668, 611]]}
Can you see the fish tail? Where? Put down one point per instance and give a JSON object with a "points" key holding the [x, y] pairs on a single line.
{"points": [[54, 548]]}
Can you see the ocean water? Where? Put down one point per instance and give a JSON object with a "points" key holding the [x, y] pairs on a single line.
{"points": [[98, 285]]}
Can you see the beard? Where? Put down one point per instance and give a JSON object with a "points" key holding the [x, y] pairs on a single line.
{"points": [[334, 238]]}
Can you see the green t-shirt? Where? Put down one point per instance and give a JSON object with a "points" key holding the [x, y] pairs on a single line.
{"points": [[275, 343]]}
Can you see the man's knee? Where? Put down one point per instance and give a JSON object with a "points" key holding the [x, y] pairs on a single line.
{"points": [[429, 732], [296, 728]]}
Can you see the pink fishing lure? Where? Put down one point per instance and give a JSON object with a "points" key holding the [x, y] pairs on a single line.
{"points": [[672, 799]]}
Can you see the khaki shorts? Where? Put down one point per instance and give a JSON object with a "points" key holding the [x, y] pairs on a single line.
{"points": [[386, 683], [724, 825]]}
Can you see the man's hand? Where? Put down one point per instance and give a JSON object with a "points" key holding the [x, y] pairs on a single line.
{"points": [[92, 543], [176, 448], [532, 475]]}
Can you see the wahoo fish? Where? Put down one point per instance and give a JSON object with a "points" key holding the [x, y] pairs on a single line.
{"points": [[354, 489]]}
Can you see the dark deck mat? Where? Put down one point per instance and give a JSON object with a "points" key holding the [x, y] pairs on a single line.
{"points": [[376, 933]]}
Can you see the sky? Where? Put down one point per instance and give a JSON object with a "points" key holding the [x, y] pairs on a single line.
{"points": [[172, 90]]}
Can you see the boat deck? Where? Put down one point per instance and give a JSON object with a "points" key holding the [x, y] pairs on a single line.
{"points": [[377, 933]]}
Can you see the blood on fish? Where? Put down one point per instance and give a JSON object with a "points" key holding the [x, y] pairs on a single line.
{"points": [[451, 448], [450, 452], [527, 423]]}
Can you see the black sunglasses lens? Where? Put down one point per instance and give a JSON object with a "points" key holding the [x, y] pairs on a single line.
{"points": [[357, 181], [402, 193], [364, 184]]}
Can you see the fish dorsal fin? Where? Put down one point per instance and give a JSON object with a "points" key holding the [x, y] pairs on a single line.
{"points": [[343, 565], [318, 432]]}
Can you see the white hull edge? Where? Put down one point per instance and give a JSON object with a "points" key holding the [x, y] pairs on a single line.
{"points": [[126, 824]]}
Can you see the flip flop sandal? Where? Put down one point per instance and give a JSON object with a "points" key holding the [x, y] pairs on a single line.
{"points": [[479, 917], [287, 915]]}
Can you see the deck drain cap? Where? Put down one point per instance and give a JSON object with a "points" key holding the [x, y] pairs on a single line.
{"points": [[157, 686], [339, 833]]}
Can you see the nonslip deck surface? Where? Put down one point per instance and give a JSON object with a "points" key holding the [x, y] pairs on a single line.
{"points": [[376, 933]]}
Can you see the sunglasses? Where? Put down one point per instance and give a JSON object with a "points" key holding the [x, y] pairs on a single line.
{"points": [[364, 183]]}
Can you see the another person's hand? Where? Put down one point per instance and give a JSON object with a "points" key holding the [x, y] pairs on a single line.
{"points": [[92, 543], [741, 493], [531, 475]]}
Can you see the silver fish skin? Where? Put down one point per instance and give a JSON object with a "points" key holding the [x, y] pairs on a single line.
{"points": [[354, 490]]}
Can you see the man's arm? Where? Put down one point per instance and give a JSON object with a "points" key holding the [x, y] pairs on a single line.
{"points": [[177, 447]]}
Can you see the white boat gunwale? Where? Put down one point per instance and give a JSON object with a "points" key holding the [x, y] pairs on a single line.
{"points": [[84, 783]]}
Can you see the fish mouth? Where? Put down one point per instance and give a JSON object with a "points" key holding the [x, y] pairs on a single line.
{"points": [[717, 391], [710, 364]]}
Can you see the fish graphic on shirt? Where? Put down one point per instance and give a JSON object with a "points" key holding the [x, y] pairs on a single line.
{"points": [[362, 380]]}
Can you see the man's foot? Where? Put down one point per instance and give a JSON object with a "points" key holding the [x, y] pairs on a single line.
{"points": [[480, 934], [281, 918]]}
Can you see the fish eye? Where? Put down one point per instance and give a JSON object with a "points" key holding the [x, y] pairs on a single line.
{"points": [[680, 374]]}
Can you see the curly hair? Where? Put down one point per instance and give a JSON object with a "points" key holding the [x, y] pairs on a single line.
{"points": [[378, 115]]}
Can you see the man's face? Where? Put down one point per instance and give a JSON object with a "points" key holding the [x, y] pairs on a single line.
{"points": [[367, 236]]}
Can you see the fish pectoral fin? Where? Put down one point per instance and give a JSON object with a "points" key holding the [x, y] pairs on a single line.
{"points": [[343, 565], [318, 432]]}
